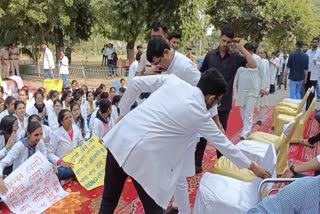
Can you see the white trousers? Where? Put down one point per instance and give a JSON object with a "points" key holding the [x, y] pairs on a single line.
{"points": [[247, 111], [181, 196]]}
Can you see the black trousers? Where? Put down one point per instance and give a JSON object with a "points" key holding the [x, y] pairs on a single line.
{"points": [[114, 181], [104, 58], [308, 85], [201, 145]]}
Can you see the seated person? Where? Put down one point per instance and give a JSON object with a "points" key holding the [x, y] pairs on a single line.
{"points": [[63, 141], [80, 121], [103, 121], [22, 150], [46, 131], [8, 107], [20, 109], [8, 134], [39, 107], [312, 140], [53, 115], [311, 165]]}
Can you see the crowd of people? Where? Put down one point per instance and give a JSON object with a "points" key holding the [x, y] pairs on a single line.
{"points": [[158, 144]]}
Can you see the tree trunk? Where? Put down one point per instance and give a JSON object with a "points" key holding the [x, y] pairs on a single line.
{"points": [[58, 42], [130, 50]]}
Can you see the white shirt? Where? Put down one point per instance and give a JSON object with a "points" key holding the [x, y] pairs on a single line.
{"points": [[98, 127], [48, 61], [64, 65], [314, 64], [266, 70], [161, 139], [133, 70], [53, 120], [109, 52]]}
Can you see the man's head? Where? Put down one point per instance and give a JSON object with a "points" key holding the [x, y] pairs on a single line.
{"points": [[300, 44], [139, 48], [315, 43], [138, 56], [227, 35], [174, 40], [274, 54], [123, 82], [249, 47], [213, 86], [159, 29], [159, 53], [62, 54], [44, 45]]}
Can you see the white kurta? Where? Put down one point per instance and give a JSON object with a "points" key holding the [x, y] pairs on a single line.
{"points": [[154, 150], [263, 101], [274, 69]]}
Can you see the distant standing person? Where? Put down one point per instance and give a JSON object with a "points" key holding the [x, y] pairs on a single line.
{"points": [[298, 66], [139, 49], [104, 55], [68, 52], [109, 51], [64, 68], [48, 62], [14, 59], [190, 55], [5, 60], [174, 40], [274, 68], [134, 67]]}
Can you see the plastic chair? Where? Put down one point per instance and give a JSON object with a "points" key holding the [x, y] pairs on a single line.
{"points": [[294, 103]]}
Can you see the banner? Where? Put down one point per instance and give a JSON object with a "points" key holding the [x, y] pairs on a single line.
{"points": [[53, 84], [33, 187], [89, 163]]}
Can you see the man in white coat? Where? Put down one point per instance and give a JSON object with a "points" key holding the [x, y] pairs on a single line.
{"points": [[154, 150], [48, 62]]}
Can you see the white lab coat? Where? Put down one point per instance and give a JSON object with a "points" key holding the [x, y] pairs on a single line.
{"points": [[61, 144], [3, 114], [87, 108], [21, 132], [53, 120], [3, 150], [48, 61], [133, 70], [114, 113], [154, 150], [33, 110], [49, 105], [19, 154], [97, 127], [274, 69], [92, 117], [86, 130]]}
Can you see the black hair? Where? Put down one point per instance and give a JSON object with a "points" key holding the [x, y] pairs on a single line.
{"points": [[122, 90], [32, 126], [174, 35], [228, 32], [82, 121], [37, 93], [87, 94], [78, 91], [6, 126], [104, 105], [122, 79], [74, 81], [77, 97], [249, 47], [138, 56], [86, 88], [25, 91], [316, 38], [51, 94], [97, 92], [299, 44], [104, 95], [8, 100], [61, 115], [57, 101], [65, 94], [102, 86], [34, 116], [18, 102], [212, 83], [156, 47], [116, 99], [1, 89], [139, 46], [42, 90], [112, 88], [157, 25]]}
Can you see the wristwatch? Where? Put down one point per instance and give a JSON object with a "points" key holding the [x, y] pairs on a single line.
{"points": [[292, 170]]}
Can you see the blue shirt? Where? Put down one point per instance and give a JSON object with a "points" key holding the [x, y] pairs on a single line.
{"points": [[298, 62], [301, 196]]}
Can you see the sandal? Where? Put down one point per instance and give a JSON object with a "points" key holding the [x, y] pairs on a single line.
{"points": [[306, 143]]}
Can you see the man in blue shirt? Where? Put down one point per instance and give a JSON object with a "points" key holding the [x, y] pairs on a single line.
{"points": [[302, 196], [298, 67]]}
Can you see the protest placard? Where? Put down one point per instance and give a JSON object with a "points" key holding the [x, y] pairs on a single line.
{"points": [[89, 163], [53, 84], [33, 187]]}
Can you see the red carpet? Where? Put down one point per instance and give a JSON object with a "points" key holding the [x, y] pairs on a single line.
{"points": [[82, 201]]}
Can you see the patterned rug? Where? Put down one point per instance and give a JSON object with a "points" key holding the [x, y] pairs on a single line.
{"points": [[82, 201]]}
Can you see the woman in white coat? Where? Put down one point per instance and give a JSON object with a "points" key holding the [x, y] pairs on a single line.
{"points": [[53, 115], [46, 131], [22, 150], [8, 107], [8, 134], [63, 141], [52, 96], [66, 99], [39, 107], [20, 109], [79, 121], [90, 105], [103, 121], [115, 107]]}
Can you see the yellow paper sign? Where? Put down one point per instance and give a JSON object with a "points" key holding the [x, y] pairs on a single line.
{"points": [[53, 84], [89, 163]]}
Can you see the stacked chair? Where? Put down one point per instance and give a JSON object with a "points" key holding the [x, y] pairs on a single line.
{"points": [[224, 194], [291, 107]]}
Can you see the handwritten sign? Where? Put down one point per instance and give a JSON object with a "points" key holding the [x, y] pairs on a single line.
{"points": [[89, 163], [53, 84], [33, 187]]}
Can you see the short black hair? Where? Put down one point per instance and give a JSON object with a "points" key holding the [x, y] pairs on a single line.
{"points": [[156, 47], [212, 83], [139, 46], [104, 95], [122, 90], [157, 25], [138, 56], [174, 35], [249, 47], [104, 105], [122, 79], [315, 38], [228, 32], [300, 43]]}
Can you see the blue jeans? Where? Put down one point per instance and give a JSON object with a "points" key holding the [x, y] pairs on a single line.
{"points": [[295, 89], [65, 79], [64, 173], [46, 73]]}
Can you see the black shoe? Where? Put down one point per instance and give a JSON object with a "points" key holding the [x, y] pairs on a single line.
{"points": [[259, 122], [172, 210], [242, 138], [198, 169]]}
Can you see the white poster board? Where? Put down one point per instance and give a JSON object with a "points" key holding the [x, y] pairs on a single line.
{"points": [[33, 187]]}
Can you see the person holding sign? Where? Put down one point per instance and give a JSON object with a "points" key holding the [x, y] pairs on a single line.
{"points": [[8, 134], [152, 153], [63, 141], [22, 150]]}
